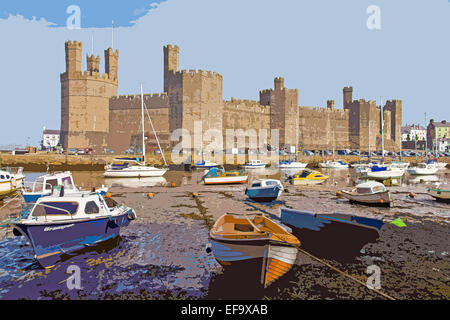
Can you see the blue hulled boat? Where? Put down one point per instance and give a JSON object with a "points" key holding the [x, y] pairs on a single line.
{"points": [[264, 190], [58, 225]]}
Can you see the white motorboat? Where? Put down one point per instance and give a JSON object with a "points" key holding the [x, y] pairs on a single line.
{"points": [[399, 164], [136, 169], [369, 193], [64, 224], [423, 169], [333, 164], [45, 185], [254, 164], [205, 164], [17, 175], [382, 172], [291, 165]]}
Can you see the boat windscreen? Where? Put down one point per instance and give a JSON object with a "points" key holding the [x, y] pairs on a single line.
{"points": [[363, 190], [55, 208], [67, 183]]}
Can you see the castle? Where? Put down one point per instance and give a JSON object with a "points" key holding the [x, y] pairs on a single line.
{"points": [[93, 115]]}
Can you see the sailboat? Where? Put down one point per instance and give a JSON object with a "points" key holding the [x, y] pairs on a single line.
{"points": [[133, 167]]}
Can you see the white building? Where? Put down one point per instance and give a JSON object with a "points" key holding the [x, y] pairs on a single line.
{"points": [[414, 132], [50, 138]]}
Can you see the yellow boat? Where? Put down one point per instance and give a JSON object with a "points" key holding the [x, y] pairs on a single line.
{"points": [[254, 240], [307, 177]]}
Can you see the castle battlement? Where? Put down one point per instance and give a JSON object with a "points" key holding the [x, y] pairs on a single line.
{"points": [[74, 44], [194, 73], [147, 96]]}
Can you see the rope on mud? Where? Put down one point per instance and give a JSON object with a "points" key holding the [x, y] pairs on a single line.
{"points": [[329, 265], [344, 273]]}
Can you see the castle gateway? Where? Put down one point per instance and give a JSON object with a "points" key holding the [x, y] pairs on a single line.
{"points": [[92, 115]]}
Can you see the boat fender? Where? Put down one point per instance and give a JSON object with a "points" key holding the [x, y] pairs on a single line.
{"points": [[208, 248], [131, 215], [16, 232]]}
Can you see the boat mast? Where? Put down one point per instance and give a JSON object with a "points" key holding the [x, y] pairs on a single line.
{"points": [[156, 136], [369, 140], [426, 138], [382, 129], [143, 125]]}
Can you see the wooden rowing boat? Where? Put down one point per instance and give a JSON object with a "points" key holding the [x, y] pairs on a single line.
{"points": [[243, 239]]}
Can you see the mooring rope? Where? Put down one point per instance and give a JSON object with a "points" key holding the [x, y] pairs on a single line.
{"points": [[327, 264], [9, 201]]}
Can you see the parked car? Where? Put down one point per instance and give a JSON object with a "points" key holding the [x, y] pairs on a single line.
{"points": [[308, 153], [354, 153], [342, 153], [327, 153], [73, 151], [129, 151]]}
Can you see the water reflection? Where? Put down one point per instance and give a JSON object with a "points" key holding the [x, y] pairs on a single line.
{"points": [[136, 182], [423, 179]]}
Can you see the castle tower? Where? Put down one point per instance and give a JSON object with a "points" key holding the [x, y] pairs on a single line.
{"points": [[348, 96], [85, 98], [284, 111], [112, 63], [171, 63], [73, 57], [395, 107], [93, 64], [330, 104]]}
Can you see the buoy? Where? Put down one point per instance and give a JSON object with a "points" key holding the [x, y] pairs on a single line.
{"points": [[411, 195], [173, 184], [195, 195], [108, 195], [150, 195]]}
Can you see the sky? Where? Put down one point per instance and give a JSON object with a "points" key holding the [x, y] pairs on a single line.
{"points": [[317, 46]]}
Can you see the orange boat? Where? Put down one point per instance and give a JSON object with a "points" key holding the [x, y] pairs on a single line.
{"points": [[245, 238]]}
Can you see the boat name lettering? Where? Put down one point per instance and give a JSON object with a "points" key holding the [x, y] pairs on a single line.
{"points": [[58, 228]]}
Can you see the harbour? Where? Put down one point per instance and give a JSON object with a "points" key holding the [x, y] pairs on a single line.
{"points": [[163, 254]]}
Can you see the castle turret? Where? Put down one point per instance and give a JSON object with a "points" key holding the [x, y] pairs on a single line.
{"points": [[330, 104], [348, 96], [279, 83], [112, 63], [93, 64], [171, 63], [73, 57]]}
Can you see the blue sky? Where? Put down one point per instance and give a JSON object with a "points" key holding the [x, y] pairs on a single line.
{"points": [[94, 13], [317, 46]]}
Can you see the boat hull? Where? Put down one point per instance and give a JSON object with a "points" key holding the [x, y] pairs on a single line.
{"points": [[226, 180], [306, 182], [440, 195], [134, 173], [382, 199], [423, 171], [293, 165], [267, 194], [383, 175], [51, 240]]}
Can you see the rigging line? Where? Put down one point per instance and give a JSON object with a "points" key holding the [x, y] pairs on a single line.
{"points": [[156, 136]]}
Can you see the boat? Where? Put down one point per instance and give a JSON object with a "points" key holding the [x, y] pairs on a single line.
{"points": [[131, 168], [424, 178], [287, 164], [17, 175], [363, 164], [423, 169], [7, 185], [254, 164], [439, 165], [63, 224], [205, 164], [220, 176], [369, 193], [253, 239], [399, 164], [44, 185], [336, 236], [440, 193], [136, 167], [334, 164], [382, 172], [264, 190], [307, 177]]}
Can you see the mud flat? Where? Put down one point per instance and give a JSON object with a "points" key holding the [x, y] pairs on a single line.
{"points": [[162, 254]]}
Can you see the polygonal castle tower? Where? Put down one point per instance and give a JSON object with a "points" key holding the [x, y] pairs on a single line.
{"points": [[85, 98], [194, 95]]}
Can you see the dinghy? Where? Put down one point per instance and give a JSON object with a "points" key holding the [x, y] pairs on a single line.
{"points": [[440, 193], [238, 239], [220, 176], [264, 190], [205, 164], [333, 236], [369, 193], [59, 225], [307, 177]]}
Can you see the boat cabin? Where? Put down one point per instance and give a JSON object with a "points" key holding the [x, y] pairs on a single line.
{"points": [[263, 183], [370, 187], [48, 182]]}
